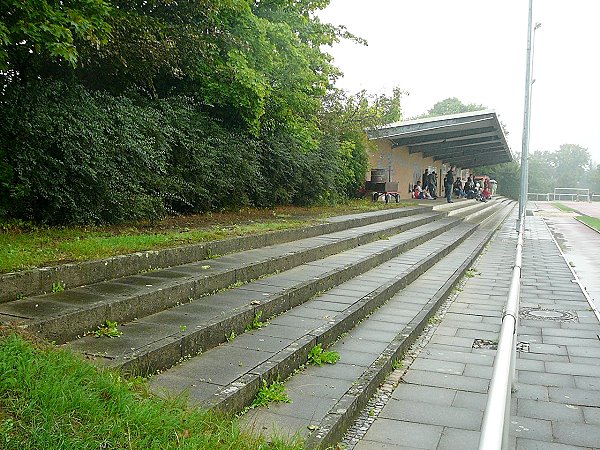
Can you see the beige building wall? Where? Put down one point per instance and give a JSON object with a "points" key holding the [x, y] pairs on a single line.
{"points": [[405, 168]]}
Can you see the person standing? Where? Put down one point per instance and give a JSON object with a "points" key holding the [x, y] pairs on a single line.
{"points": [[432, 184], [425, 179], [449, 184]]}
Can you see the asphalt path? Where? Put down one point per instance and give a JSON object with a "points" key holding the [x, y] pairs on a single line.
{"points": [[579, 243]]}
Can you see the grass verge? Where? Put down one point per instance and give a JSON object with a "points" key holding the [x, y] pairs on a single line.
{"points": [[25, 246], [592, 222], [563, 208], [51, 399]]}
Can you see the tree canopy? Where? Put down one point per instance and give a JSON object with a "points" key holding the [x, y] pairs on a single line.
{"points": [[113, 110], [568, 166], [450, 106]]}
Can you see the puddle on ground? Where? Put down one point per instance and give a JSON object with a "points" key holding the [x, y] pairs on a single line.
{"points": [[559, 237]]}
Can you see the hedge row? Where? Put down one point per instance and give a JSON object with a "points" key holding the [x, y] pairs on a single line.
{"points": [[70, 155]]}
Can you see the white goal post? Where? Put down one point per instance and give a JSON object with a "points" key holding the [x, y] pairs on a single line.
{"points": [[573, 194]]}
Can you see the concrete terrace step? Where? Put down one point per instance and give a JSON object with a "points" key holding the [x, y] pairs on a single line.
{"points": [[228, 377], [40, 280], [458, 205], [64, 316], [470, 207], [162, 339], [481, 214], [327, 399]]}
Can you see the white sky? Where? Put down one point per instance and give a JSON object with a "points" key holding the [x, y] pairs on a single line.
{"points": [[475, 50]]}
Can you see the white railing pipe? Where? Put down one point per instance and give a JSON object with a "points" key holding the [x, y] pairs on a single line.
{"points": [[495, 427]]}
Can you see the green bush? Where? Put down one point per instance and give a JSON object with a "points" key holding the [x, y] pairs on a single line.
{"points": [[71, 155], [79, 157]]}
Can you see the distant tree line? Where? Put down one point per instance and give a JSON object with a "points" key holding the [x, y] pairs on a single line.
{"points": [[119, 110], [569, 166]]}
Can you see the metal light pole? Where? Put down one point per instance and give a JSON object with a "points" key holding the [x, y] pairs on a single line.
{"points": [[526, 120]]}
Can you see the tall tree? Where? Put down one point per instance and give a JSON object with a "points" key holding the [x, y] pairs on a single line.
{"points": [[50, 29], [571, 163], [451, 106]]}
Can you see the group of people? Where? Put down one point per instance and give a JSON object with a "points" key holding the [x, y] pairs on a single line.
{"points": [[469, 189], [426, 187]]}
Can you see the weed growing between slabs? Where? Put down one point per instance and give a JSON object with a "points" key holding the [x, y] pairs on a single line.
{"points": [[51, 399], [270, 393], [108, 329], [256, 324], [317, 356]]}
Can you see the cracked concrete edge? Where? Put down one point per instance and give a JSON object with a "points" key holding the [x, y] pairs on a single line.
{"points": [[40, 280], [332, 428]]}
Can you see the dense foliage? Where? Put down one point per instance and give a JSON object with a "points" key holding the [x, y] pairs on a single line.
{"points": [[451, 105], [569, 166], [121, 110]]}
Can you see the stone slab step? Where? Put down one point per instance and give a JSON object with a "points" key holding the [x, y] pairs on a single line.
{"points": [[454, 207], [327, 399], [63, 316], [481, 214], [228, 377], [40, 280], [471, 206], [162, 339]]}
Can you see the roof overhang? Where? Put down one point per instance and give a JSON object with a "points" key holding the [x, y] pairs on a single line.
{"points": [[470, 139]]}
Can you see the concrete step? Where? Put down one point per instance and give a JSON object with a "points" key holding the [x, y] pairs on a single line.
{"points": [[481, 214], [326, 400], [470, 207], [63, 316], [227, 378], [161, 340], [457, 206], [40, 280]]}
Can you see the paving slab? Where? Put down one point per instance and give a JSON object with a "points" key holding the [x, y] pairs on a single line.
{"points": [[556, 404], [367, 334]]}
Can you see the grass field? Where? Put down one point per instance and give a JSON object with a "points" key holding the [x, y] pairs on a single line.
{"points": [[591, 221], [50, 399], [562, 207], [25, 246]]}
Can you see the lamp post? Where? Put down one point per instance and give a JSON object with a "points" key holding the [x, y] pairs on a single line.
{"points": [[526, 119]]}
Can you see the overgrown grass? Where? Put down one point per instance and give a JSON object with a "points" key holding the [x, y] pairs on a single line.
{"points": [[24, 246], [50, 399], [591, 221], [563, 208]]}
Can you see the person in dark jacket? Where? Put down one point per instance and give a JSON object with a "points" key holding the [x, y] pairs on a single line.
{"points": [[449, 184], [432, 184]]}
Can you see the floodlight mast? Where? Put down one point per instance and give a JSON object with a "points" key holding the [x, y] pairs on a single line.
{"points": [[526, 120]]}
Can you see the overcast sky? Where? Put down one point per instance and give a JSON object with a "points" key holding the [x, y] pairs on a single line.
{"points": [[475, 50]]}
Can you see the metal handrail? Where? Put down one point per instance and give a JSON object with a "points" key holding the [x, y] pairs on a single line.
{"points": [[495, 429]]}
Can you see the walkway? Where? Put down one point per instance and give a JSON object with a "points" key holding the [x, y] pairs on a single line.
{"points": [[441, 397], [579, 243]]}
